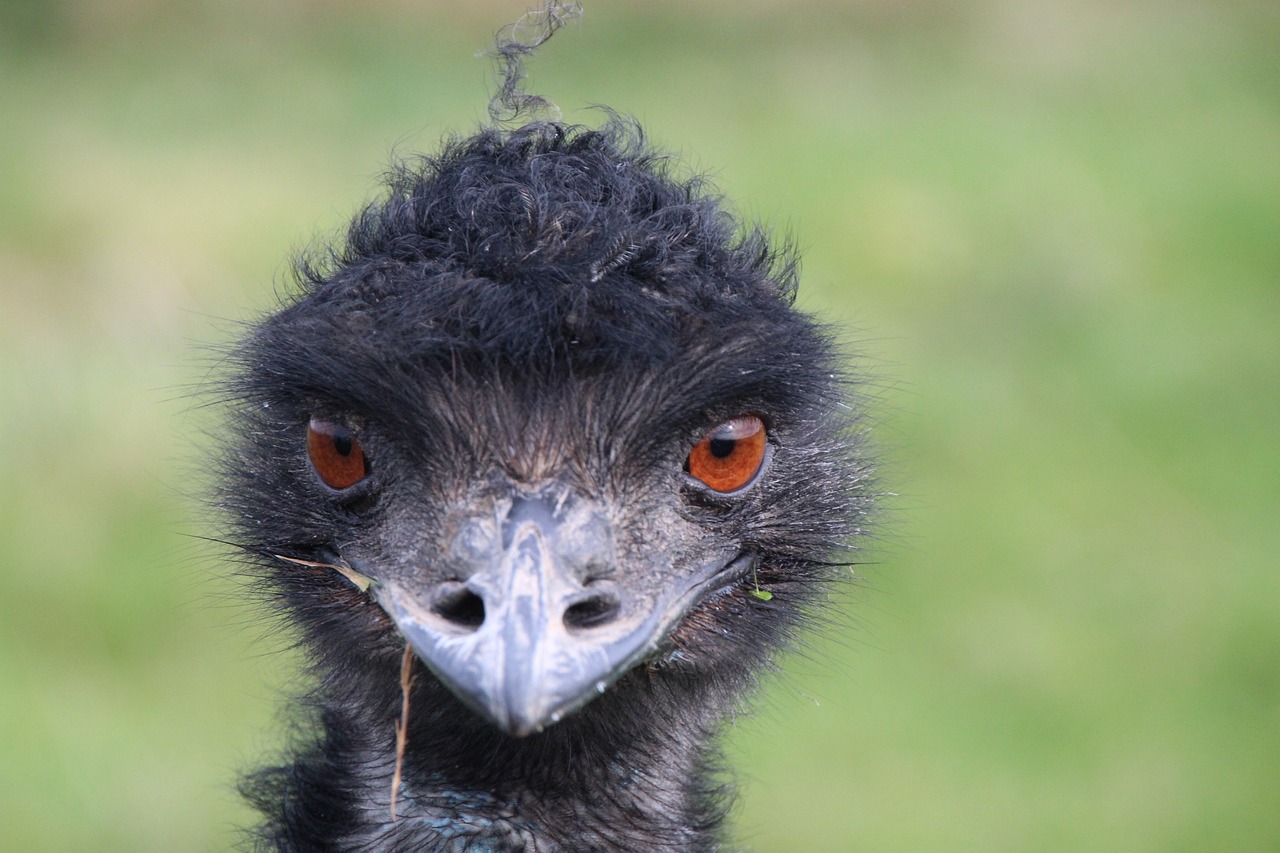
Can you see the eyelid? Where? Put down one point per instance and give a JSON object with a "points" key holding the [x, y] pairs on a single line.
{"points": [[738, 428]]}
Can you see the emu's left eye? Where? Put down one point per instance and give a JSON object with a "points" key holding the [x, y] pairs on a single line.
{"points": [[335, 454], [729, 457]]}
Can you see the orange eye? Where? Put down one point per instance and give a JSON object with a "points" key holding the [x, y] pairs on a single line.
{"points": [[335, 454], [729, 457]]}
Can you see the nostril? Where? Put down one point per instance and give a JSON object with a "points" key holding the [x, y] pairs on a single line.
{"points": [[459, 605], [597, 609]]}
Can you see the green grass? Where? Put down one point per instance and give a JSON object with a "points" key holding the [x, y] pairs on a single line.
{"points": [[1052, 229]]}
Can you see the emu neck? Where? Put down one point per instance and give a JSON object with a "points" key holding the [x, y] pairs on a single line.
{"points": [[631, 771], [550, 796]]}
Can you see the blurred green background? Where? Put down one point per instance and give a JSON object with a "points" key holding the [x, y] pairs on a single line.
{"points": [[1051, 228]]}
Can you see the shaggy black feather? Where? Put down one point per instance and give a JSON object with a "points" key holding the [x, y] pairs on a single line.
{"points": [[512, 45], [549, 303]]}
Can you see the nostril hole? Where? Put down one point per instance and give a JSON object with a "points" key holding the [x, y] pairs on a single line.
{"points": [[459, 605], [592, 612]]}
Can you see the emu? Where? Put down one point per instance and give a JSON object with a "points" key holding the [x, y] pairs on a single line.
{"points": [[545, 468]]}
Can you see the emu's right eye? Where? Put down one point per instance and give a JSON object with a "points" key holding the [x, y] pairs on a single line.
{"points": [[335, 454], [730, 456]]}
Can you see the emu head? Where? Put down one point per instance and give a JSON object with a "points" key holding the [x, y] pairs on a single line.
{"points": [[547, 418]]}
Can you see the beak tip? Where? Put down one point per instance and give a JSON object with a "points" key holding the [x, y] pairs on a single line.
{"points": [[524, 718], [523, 730], [521, 725]]}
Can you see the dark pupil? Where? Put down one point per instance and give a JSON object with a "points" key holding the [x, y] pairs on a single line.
{"points": [[722, 447], [342, 443]]}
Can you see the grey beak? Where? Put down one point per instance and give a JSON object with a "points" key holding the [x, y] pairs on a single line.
{"points": [[542, 625]]}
